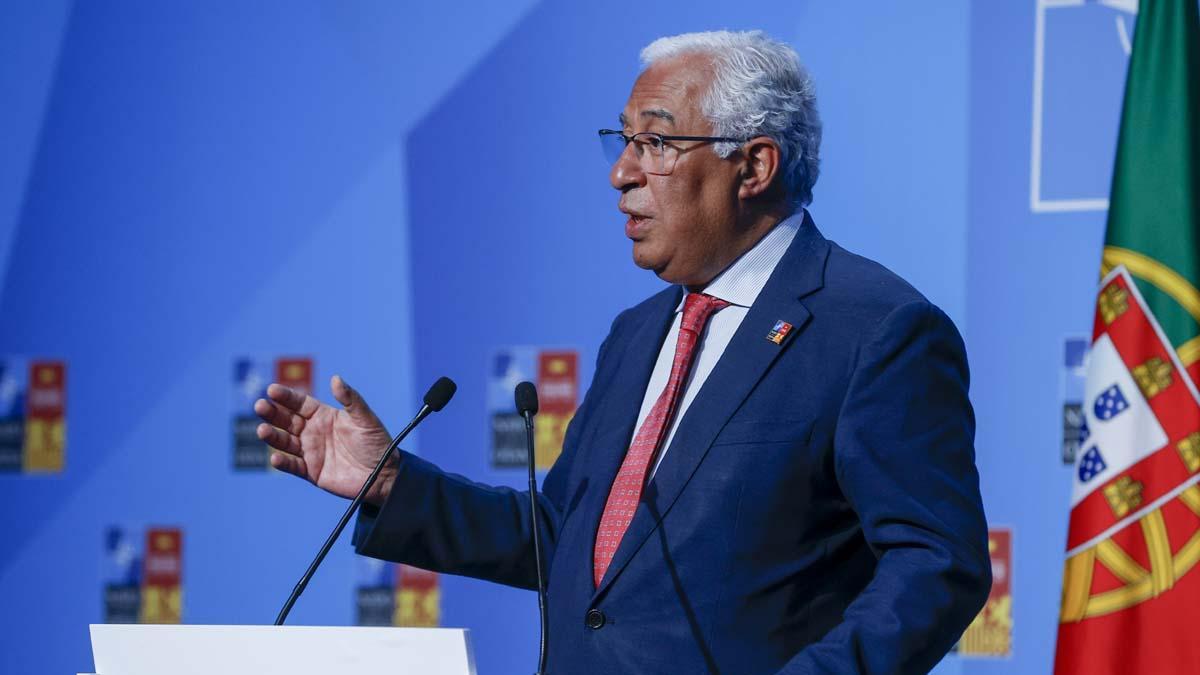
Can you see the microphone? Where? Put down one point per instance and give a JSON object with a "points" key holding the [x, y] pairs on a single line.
{"points": [[435, 399], [527, 407]]}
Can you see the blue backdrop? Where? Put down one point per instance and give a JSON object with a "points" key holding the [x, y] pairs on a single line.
{"points": [[399, 190]]}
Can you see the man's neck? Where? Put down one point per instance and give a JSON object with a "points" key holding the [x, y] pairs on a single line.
{"points": [[756, 228]]}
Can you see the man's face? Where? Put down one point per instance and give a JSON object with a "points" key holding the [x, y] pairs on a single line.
{"points": [[683, 225]]}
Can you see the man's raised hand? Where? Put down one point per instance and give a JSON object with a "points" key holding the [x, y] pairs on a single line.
{"points": [[335, 449]]}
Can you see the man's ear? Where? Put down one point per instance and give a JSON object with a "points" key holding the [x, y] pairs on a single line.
{"points": [[761, 165]]}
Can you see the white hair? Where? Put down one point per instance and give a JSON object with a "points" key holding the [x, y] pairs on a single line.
{"points": [[759, 88]]}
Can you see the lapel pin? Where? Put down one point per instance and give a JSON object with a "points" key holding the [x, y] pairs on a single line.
{"points": [[780, 332]]}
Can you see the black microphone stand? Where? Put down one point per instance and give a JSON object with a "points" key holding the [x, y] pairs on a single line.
{"points": [[527, 405], [435, 400]]}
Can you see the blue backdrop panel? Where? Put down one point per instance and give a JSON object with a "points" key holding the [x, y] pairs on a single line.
{"points": [[397, 191], [208, 182]]}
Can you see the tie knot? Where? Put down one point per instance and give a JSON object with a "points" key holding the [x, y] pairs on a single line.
{"points": [[696, 310]]}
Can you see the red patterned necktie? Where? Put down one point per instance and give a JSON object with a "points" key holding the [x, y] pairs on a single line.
{"points": [[626, 489]]}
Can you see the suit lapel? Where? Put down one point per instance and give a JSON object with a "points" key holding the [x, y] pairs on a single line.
{"points": [[746, 359]]}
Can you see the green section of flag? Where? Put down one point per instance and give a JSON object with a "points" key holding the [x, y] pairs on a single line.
{"points": [[1154, 207]]}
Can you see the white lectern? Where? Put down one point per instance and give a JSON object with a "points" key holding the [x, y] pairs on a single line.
{"points": [[285, 650]]}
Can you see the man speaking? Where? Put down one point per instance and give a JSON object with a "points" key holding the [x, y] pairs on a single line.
{"points": [[773, 469]]}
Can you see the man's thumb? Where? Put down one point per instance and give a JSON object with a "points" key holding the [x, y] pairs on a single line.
{"points": [[351, 400]]}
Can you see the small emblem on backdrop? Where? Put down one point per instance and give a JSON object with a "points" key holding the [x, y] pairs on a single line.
{"points": [[1071, 385], [418, 598], [375, 594], [556, 375], [33, 436], [250, 379], [143, 575], [122, 576], [162, 576], [389, 594], [990, 634]]}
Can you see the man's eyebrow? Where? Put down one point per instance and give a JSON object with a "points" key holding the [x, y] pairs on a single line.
{"points": [[660, 114]]}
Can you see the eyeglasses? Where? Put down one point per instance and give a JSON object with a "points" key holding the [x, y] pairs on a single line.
{"points": [[653, 151]]}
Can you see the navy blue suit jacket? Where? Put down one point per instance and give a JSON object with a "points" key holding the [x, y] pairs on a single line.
{"points": [[818, 510]]}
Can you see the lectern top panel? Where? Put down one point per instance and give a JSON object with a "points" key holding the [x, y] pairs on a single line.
{"points": [[286, 650]]}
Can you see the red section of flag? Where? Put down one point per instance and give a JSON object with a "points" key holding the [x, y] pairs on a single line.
{"points": [[1158, 474], [1145, 638]]}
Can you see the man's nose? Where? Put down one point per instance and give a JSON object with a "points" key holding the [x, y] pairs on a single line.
{"points": [[627, 171]]}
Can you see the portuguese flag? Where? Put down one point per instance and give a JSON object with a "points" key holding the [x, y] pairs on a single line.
{"points": [[1131, 586]]}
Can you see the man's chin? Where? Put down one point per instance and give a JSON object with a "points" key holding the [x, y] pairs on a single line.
{"points": [[659, 268], [647, 260], [659, 264]]}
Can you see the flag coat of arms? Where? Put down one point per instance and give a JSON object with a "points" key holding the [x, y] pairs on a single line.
{"points": [[1131, 587]]}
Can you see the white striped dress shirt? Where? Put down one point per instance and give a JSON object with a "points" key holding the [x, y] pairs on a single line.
{"points": [[739, 285]]}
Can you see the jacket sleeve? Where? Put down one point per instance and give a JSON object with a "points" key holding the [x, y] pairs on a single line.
{"points": [[446, 523], [905, 460]]}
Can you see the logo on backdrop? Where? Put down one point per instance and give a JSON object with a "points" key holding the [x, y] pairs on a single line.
{"points": [[33, 418], [556, 374], [396, 595], [250, 379], [143, 575], [1080, 57], [990, 634], [1071, 383]]}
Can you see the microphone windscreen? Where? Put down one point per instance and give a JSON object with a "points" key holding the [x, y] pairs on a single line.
{"points": [[440, 393], [526, 396]]}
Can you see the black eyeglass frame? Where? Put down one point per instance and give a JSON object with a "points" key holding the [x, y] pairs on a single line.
{"points": [[663, 138]]}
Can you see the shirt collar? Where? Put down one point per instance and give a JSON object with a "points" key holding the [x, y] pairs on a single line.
{"points": [[745, 278]]}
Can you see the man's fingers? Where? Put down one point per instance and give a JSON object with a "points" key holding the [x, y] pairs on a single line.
{"points": [[341, 391], [352, 402], [276, 415], [279, 439], [293, 400], [290, 464]]}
